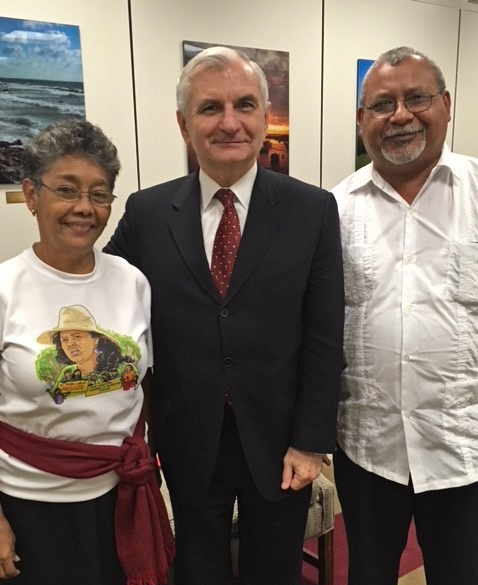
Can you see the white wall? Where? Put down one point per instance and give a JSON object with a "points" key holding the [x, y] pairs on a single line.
{"points": [[364, 29], [465, 138], [159, 27], [105, 44]]}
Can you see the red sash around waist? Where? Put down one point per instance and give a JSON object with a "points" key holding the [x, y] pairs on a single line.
{"points": [[144, 538]]}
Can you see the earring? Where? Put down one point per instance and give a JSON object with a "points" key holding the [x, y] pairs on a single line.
{"points": [[33, 212]]}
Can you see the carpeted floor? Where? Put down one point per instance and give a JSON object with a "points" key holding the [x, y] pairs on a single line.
{"points": [[411, 559]]}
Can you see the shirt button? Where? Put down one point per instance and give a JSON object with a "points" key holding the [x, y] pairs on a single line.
{"points": [[224, 313], [406, 358], [227, 362]]}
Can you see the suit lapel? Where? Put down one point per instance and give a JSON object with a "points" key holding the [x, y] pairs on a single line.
{"points": [[186, 229], [263, 220]]}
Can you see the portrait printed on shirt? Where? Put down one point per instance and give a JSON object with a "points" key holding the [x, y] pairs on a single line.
{"points": [[83, 359]]}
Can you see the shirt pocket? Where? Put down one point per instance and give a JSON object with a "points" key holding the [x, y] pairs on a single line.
{"points": [[359, 273], [460, 414], [462, 273], [359, 414]]}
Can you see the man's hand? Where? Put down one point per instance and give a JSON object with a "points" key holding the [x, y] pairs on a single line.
{"points": [[301, 468], [8, 556]]}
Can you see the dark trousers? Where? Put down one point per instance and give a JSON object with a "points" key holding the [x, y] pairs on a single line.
{"points": [[271, 534], [377, 515], [65, 543]]}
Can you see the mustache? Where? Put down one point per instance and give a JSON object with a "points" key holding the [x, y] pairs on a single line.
{"points": [[403, 130]]}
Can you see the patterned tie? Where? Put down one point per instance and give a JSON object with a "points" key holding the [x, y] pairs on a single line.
{"points": [[226, 242]]}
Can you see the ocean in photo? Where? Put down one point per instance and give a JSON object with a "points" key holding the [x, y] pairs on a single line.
{"points": [[27, 106]]}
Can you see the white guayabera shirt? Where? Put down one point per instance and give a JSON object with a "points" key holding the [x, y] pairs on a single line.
{"points": [[409, 395]]}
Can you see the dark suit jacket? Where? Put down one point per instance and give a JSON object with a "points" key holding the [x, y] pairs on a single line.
{"points": [[276, 340]]}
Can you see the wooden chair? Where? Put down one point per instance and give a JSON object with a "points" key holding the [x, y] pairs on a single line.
{"points": [[320, 524]]}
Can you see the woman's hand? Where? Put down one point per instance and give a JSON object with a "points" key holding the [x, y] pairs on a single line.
{"points": [[8, 556]]}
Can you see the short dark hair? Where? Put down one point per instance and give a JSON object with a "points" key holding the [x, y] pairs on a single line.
{"points": [[70, 137], [395, 57]]}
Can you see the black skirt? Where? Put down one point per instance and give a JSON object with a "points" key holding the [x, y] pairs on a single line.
{"points": [[65, 543]]}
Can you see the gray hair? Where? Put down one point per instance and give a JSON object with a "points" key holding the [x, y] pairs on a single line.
{"points": [[395, 57], [70, 137], [218, 58]]}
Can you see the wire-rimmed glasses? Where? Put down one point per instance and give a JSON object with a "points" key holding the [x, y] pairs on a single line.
{"points": [[71, 194], [415, 103]]}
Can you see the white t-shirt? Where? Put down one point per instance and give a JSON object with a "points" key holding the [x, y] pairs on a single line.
{"points": [[101, 318]]}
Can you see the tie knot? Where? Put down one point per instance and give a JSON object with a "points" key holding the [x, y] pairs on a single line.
{"points": [[226, 197]]}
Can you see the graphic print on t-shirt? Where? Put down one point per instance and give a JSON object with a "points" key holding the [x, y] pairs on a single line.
{"points": [[82, 359]]}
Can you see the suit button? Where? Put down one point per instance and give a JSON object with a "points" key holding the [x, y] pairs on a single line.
{"points": [[227, 362], [224, 313]]}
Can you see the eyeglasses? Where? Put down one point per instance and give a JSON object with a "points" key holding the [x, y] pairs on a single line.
{"points": [[70, 194], [415, 103]]}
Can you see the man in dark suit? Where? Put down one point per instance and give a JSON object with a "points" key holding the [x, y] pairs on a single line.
{"points": [[246, 367]]}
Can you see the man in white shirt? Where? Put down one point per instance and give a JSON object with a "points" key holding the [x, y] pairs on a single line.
{"points": [[408, 413]]}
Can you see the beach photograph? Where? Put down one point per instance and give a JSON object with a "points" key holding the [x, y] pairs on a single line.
{"points": [[41, 81], [274, 153]]}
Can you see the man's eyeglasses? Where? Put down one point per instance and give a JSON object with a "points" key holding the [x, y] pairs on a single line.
{"points": [[70, 194], [415, 103]]}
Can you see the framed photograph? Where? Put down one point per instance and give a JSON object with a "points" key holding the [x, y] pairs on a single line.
{"points": [[274, 153], [361, 156], [41, 81]]}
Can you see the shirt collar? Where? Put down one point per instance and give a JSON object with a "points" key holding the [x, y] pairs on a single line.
{"points": [[368, 174], [362, 177], [242, 188], [446, 160]]}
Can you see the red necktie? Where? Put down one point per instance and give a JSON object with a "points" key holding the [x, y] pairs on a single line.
{"points": [[226, 242]]}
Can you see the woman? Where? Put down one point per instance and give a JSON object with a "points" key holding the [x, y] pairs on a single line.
{"points": [[78, 498], [88, 360]]}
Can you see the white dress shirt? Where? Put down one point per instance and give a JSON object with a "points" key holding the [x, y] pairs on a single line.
{"points": [[409, 396], [212, 208]]}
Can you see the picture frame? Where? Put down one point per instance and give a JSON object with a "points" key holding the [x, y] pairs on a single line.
{"points": [[361, 156], [41, 81]]}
